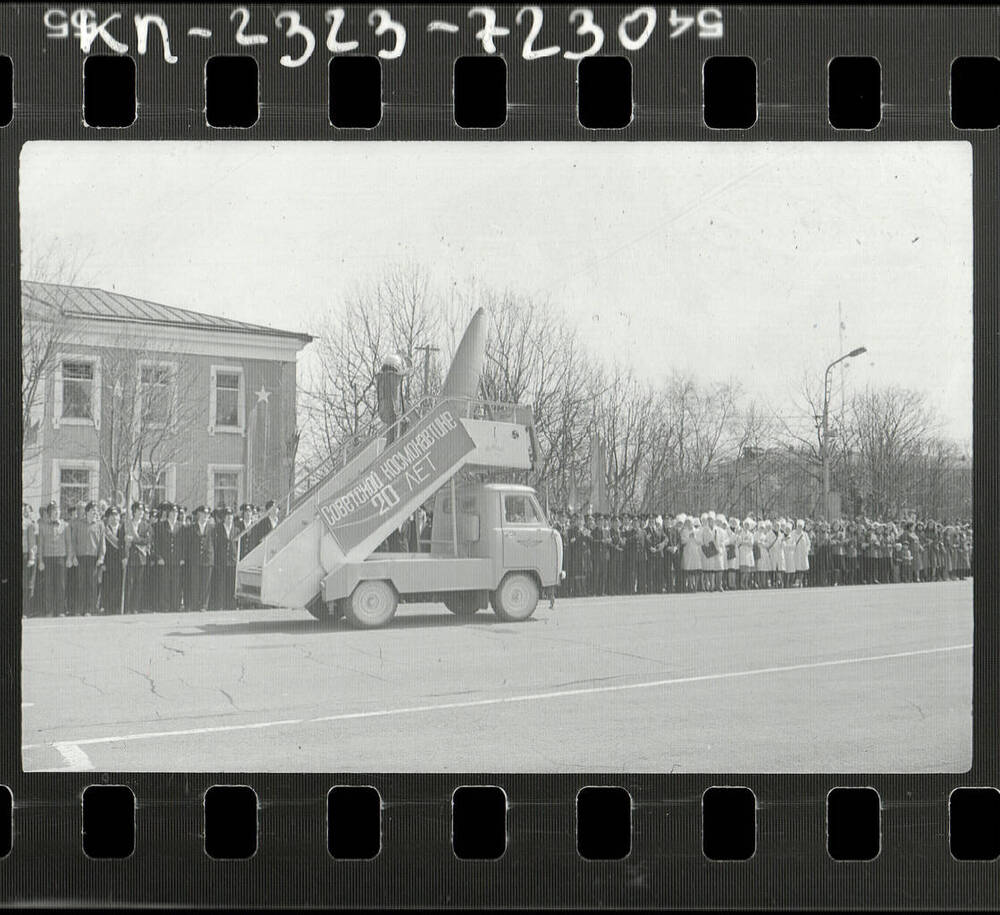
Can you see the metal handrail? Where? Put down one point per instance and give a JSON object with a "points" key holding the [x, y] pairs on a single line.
{"points": [[473, 407]]}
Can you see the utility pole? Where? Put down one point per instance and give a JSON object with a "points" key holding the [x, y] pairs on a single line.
{"points": [[427, 349]]}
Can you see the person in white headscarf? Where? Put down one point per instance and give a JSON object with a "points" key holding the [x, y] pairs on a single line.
{"points": [[713, 551], [690, 555], [789, 551], [744, 545], [761, 554], [731, 530], [777, 551], [801, 552]]}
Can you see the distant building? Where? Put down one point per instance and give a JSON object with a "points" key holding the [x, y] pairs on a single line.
{"points": [[152, 401]]}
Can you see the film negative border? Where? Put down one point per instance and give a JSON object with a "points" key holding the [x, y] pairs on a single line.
{"points": [[666, 864]]}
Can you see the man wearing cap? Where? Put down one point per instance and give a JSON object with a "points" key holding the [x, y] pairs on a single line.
{"points": [[199, 557], [224, 570], [167, 550]]}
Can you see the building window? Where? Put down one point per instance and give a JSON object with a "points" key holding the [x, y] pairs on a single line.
{"points": [[225, 484], [157, 394], [157, 487], [74, 483], [77, 390], [228, 399]]}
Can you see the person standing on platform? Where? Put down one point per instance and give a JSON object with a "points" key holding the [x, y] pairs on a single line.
{"points": [[199, 556], [29, 557], [224, 570], [55, 552], [167, 550]]}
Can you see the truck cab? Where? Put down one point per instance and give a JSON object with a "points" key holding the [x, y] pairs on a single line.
{"points": [[491, 545]]}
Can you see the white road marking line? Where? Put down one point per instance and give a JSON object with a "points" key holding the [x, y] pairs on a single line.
{"points": [[72, 753], [503, 700]]}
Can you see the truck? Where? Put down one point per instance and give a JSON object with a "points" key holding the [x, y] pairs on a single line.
{"points": [[491, 544]]}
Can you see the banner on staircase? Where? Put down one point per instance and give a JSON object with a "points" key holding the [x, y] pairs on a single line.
{"points": [[402, 476]]}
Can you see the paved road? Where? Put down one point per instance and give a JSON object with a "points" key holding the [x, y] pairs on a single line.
{"points": [[841, 679]]}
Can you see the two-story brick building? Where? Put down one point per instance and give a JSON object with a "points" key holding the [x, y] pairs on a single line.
{"points": [[153, 400]]}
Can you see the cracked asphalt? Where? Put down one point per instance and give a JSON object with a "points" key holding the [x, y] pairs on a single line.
{"points": [[846, 679]]}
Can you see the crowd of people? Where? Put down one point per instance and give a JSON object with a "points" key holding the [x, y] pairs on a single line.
{"points": [[106, 558], [607, 554]]}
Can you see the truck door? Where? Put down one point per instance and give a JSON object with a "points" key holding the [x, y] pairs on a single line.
{"points": [[527, 539]]}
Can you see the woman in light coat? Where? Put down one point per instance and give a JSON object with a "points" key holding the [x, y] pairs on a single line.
{"points": [[744, 548], [801, 552], [690, 555], [788, 548], [712, 566], [732, 533], [762, 561], [778, 554]]}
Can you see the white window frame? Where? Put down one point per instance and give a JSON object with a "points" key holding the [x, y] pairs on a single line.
{"points": [[95, 395], [213, 469], [61, 464], [174, 369], [170, 486], [213, 428]]}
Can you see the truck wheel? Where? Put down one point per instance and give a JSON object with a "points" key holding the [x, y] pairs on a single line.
{"points": [[462, 603], [516, 598], [372, 604]]}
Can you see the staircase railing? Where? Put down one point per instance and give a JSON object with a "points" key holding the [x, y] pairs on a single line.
{"points": [[472, 408]]}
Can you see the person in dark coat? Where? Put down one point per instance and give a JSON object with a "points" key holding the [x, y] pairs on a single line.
{"points": [[112, 576], [224, 571], [579, 544], [260, 529], [168, 558], [629, 555], [616, 566], [139, 537], [600, 556], [199, 557], [641, 555]]}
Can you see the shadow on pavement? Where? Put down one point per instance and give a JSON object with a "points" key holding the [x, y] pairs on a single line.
{"points": [[311, 626]]}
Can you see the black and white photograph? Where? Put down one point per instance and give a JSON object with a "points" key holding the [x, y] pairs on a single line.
{"points": [[647, 457]]}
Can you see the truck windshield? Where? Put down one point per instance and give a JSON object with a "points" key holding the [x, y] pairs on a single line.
{"points": [[520, 509]]}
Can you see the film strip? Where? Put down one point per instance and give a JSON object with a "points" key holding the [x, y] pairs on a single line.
{"points": [[118, 800]]}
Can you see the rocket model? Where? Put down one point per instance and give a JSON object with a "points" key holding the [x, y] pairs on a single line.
{"points": [[462, 380]]}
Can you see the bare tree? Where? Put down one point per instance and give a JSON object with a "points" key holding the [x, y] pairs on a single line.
{"points": [[891, 431], [149, 412], [392, 313]]}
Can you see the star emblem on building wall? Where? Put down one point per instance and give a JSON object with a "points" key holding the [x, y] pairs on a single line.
{"points": [[262, 395]]}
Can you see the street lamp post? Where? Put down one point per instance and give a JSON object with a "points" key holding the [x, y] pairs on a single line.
{"points": [[824, 446]]}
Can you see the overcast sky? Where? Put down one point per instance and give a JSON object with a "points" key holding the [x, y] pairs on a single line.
{"points": [[722, 258]]}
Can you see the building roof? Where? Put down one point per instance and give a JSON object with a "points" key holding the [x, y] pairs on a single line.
{"points": [[101, 305]]}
